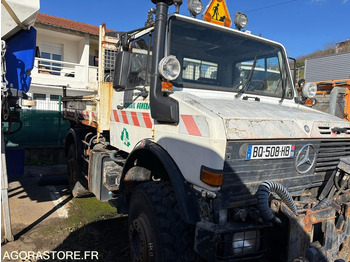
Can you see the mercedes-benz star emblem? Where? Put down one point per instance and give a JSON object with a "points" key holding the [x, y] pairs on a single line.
{"points": [[305, 159]]}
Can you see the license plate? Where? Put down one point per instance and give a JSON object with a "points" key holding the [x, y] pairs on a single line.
{"points": [[270, 151]]}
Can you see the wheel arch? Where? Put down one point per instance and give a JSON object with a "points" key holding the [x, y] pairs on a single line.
{"points": [[152, 156]]}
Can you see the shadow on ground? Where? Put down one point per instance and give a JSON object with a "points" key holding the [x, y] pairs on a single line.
{"points": [[35, 200], [107, 237]]}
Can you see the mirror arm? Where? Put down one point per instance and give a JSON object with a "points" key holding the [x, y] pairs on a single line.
{"points": [[143, 93]]}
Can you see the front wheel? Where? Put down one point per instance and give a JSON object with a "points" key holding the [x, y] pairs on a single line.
{"points": [[156, 230]]}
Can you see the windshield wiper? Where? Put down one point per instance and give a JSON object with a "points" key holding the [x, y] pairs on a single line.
{"points": [[284, 89], [247, 83]]}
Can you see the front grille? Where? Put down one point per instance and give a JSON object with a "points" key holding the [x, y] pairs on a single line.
{"points": [[329, 154], [324, 130], [242, 177], [327, 130]]}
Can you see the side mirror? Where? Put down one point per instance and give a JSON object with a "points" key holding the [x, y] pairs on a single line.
{"points": [[294, 62], [121, 70]]}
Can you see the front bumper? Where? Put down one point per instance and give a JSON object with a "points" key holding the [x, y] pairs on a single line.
{"points": [[315, 235], [320, 235]]}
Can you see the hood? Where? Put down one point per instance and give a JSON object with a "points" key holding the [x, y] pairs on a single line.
{"points": [[269, 119]]}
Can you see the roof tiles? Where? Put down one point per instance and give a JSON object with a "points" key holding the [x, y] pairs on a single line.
{"points": [[68, 24]]}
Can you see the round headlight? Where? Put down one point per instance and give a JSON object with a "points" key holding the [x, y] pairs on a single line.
{"points": [[309, 90], [195, 7], [241, 20], [169, 67]]}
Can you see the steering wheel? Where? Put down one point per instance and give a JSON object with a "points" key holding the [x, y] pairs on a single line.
{"points": [[258, 84]]}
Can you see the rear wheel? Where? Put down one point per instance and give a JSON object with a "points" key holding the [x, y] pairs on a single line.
{"points": [[156, 230], [72, 166], [76, 182]]}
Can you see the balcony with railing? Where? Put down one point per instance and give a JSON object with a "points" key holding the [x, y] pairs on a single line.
{"points": [[61, 73]]}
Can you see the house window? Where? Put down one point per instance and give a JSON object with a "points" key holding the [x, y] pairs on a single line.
{"points": [[93, 60], [51, 52], [37, 96], [54, 67], [54, 97]]}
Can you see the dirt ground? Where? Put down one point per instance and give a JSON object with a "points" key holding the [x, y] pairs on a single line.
{"points": [[45, 218]]}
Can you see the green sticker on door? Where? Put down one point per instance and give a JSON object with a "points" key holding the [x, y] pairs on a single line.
{"points": [[125, 137]]}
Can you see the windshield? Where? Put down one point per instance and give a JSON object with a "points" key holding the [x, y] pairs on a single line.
{"points": [[214, 58]]}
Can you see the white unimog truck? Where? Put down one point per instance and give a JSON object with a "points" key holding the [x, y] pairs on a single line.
{"points": [[202, 141]]}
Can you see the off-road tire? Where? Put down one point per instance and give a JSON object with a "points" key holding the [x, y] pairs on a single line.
{"points": [[76, 182], [156, 230]]}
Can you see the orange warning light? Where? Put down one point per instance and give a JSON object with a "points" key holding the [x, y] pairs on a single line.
{"points": [[167, 87], [217, 13]]}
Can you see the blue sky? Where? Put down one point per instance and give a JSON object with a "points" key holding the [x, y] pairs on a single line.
{"points": [[302, 26]]}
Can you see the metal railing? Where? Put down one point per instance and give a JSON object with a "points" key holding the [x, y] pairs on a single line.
{"points": [[62, 70], [47, 105]]}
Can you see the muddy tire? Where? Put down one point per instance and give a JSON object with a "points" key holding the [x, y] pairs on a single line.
{"points": [[156, 230], [76, 182]]}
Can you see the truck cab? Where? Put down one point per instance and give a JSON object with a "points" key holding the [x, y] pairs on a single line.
{"points": [[210, 153]]}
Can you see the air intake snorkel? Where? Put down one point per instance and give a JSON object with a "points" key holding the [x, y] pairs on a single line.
{"points": [[163, 108], [263, 193]]}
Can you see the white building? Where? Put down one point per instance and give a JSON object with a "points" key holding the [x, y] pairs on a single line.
{"points": [[67, 55]]}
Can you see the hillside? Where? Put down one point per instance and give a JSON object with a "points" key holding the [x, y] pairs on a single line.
{"points": [[329, 49]]}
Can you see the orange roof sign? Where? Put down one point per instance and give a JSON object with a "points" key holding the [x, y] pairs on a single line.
{"points": [[217, 13]]}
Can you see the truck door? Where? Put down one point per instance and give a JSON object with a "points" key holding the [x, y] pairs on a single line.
{"points": [[130, 117]]}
